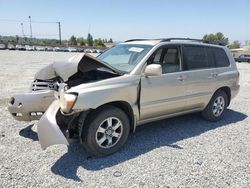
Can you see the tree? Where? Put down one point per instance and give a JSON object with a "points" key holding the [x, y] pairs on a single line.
{"points": [[235, 44], [98, 42], [82, 41], [110, 40], [17, 39], [216, 38], [90, 40], [72, 40]]}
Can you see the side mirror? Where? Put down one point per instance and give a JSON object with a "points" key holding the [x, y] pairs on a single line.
{"points": [[153, 70]]}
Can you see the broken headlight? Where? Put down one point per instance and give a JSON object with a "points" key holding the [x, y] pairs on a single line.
{"points": [[67, 101]]}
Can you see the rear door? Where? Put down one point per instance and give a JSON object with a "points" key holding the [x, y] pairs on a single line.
{"points": [[201, 74]]}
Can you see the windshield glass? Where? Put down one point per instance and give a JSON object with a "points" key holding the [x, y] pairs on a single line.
{"points": [[125, 57]]}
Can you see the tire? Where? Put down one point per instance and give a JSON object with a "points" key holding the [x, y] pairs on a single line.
{"points": [[217, 106], [110, 127]]}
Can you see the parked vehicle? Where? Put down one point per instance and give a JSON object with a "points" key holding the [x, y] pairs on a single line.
{"points": [[30, 48], [40, 48], [20, 47], [72, 49], [57, 49], [48, 48], [99, 51], [11, 47], [2, 46], [243, 58], [80, 50], [100, 101], [87, 50]]}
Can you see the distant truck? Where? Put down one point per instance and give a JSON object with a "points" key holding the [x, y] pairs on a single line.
{"points": [[243, 58]]}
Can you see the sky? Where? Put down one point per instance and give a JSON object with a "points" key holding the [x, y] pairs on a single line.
{"points": [[126, 19]]}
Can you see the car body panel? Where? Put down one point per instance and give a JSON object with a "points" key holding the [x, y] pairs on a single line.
{"points": [[161, 95], [65, 69], [92, 95], [30, 106], [48, 130]]}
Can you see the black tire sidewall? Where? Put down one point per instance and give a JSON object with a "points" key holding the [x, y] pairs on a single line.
{"points": [[91, 128]]}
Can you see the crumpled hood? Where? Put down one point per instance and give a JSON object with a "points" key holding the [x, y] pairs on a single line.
{"points": [[65, 69]]}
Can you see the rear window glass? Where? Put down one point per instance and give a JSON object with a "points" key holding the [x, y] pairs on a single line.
{"points": [[220, 57], [195, 57]]}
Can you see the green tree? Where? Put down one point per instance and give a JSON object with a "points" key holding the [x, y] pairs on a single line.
{"points": [[235, 44], [17, 39], [90, 40], [98, 42], [81, 41], [72, 40], [110, 40], [216, 38]]}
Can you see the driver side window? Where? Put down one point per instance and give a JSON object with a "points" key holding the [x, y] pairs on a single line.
{"points": [[168, 58]]}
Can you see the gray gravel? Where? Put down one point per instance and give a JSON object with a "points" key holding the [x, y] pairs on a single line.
{"points": [[179, 152]]}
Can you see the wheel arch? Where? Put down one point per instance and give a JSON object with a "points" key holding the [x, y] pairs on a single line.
{"points": [[123, 105], [227, 90], [126, 108]]}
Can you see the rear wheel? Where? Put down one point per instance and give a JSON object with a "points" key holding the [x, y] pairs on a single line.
{"points": [[106, 131], [216, 107]]}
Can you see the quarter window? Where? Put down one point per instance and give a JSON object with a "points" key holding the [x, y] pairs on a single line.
{"points": [[220, 57]]}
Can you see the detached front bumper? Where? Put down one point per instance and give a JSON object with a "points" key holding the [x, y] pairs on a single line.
{"points": [[48, 130], [30, 106]]}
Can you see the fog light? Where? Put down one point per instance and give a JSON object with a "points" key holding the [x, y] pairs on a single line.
{"points": [[19, 114]]}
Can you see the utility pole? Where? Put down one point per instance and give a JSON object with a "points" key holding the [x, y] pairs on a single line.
{"points": [[30, 27], [60, 37], [22, 30]]}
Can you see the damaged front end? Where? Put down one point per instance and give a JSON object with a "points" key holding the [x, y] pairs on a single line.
{"points": [[49, 101], [77, 70]]}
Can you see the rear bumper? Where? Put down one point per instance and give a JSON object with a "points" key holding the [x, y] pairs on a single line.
{"points": [[48, 130], [234, 91], [30, 106]]}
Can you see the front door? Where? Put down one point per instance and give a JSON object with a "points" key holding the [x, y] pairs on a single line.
{"points": [[165, 94]]}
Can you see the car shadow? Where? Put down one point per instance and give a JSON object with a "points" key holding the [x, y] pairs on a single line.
{"points": [[146, 138], [27, 132]]}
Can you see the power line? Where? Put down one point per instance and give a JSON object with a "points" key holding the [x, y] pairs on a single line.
{"points": [[10, 20], [34, 21]]}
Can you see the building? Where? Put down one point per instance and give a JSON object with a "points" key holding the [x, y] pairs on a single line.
{"points": [[238, 51]]}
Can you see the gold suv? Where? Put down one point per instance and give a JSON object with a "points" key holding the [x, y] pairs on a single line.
{"points": [[99, 101]]}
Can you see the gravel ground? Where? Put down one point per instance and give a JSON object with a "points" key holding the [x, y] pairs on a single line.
{"points": [[180, 152]]}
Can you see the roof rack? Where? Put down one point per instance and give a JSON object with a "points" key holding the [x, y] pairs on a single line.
{"points": [[171, 39], [131, 40]]}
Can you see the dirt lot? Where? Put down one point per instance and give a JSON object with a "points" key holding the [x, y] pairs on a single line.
{"points": [[179, 152]]}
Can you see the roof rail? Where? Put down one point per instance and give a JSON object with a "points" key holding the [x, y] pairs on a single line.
{"points": [[131, 40], [170, 39]]}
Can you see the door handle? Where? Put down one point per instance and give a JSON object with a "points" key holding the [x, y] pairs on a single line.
{"points": [[181, 77], [214, 74]]}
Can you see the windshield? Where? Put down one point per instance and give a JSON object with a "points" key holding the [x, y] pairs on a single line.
{"points": [[125, 57]]}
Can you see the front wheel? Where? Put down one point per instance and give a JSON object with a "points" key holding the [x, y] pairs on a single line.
{"points": [[216, 107], [106, 131]]}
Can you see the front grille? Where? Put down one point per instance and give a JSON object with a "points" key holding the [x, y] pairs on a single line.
{"points": [[44, 85]]}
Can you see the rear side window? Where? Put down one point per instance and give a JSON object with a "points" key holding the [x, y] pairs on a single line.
{"points": [[220, 57], [195, 57]]}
